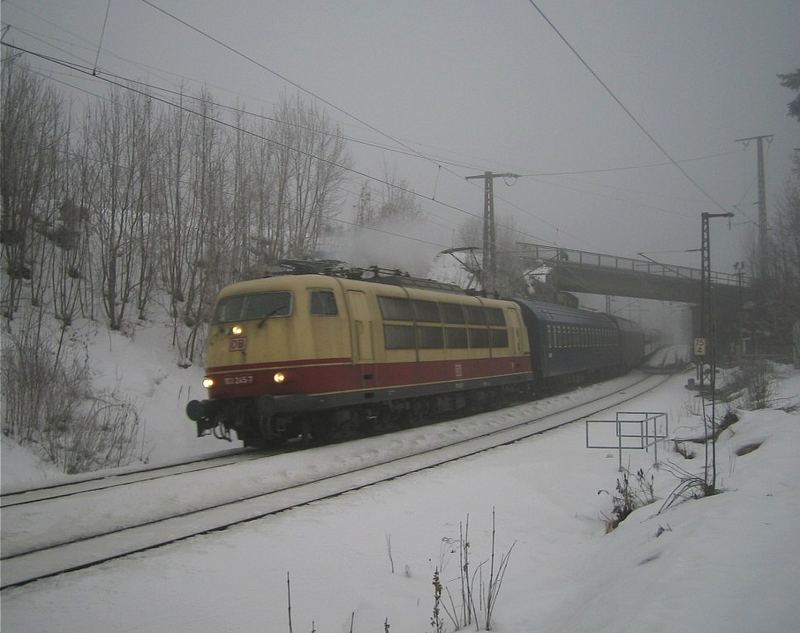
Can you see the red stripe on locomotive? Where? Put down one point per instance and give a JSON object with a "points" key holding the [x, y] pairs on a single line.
{"points": [[327, 377]]}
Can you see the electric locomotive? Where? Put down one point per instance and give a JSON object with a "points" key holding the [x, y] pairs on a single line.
{"points": [[320, 355]]}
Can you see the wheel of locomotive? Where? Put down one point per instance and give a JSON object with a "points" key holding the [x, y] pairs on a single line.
{"points": [[321, 426], [347, 425], [251, 439], [376, 421]]}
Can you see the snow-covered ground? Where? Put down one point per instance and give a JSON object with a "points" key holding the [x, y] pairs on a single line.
{"points": [[729, 563]]}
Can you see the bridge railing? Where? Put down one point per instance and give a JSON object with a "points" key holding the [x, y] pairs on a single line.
{"points": [[555, 255]]}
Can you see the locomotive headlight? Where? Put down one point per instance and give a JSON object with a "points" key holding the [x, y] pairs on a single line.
{"points": [[208, 382], [236, 330], [279, 377]]}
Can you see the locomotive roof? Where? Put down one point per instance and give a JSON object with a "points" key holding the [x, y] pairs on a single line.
{"points": [[432, 291]]}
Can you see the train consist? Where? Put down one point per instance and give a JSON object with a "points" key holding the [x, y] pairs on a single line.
{"points": [[331, 355]]}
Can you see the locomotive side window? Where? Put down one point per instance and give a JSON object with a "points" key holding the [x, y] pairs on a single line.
{"points": [[399, 336], [251, 307], [426, 311], [498, 338], [495, 316], [323, 303], [478, 338], [452, 313], [430, 337], [456, 338], [396, 309], [475, 315]]}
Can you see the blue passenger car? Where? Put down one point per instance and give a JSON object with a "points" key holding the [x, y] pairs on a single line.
{"points": [[570, 345]]}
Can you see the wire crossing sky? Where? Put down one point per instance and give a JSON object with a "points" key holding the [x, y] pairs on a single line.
{"points": [[585, 98]]}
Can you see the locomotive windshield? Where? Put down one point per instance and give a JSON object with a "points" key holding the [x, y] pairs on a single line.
{"points": [[251, 307]]}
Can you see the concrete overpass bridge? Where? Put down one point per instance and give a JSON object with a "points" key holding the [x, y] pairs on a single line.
{"points": [[595, 273]]}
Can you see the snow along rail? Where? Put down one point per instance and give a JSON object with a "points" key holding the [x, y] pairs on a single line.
{"points": [[68, 536], [122, 477]]}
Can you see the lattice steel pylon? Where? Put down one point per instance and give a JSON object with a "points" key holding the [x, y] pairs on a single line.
{"points": [[708, 326], [489, 235]]}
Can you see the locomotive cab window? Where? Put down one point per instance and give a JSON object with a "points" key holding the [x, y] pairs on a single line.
{"points": [[252, 307], [323, 303]]}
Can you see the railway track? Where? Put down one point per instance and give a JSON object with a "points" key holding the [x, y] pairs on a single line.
{"points": [[64, 533], [122, 477]]}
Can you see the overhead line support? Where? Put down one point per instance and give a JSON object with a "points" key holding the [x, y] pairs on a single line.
{"points": [[489, 236], [762, 200]]}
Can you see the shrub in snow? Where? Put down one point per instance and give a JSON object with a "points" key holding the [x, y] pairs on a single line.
{"points": [[752, 385], [628, 497], [48, 402], [467, 612]]}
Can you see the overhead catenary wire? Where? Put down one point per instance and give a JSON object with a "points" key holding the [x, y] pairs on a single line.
{"points": [[410, 151], [99, 76], [282, 77], [624, 107], [102, 34], [315, 95]]}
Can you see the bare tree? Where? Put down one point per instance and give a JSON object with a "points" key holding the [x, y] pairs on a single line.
{"points": [[118, 142], [32, 126], [207, 226], [173, 220], [398, 202], [145, 205], [313, 170]]}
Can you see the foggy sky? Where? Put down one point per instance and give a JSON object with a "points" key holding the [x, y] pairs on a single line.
{"points": [[490, 86]]}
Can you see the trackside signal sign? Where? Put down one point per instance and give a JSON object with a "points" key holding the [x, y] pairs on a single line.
{"points": [[700, 346]]}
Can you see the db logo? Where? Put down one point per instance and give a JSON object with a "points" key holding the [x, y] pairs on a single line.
{"points": [[238, 344]]}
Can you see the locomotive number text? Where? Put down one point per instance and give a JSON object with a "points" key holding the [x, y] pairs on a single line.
{"points": [[238, 380], [237, 344]]}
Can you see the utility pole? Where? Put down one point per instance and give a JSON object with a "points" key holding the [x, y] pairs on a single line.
{"points": [[489, 245], [762, 200], [708, 345]]}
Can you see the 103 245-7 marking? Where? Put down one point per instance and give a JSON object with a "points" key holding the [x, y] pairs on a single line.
{"points": [[238, 380]]}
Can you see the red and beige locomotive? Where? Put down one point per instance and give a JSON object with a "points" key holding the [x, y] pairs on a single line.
{"points": [[323, 355]]}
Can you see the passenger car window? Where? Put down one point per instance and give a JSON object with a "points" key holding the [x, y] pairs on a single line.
{"points": [[323, 303]]}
